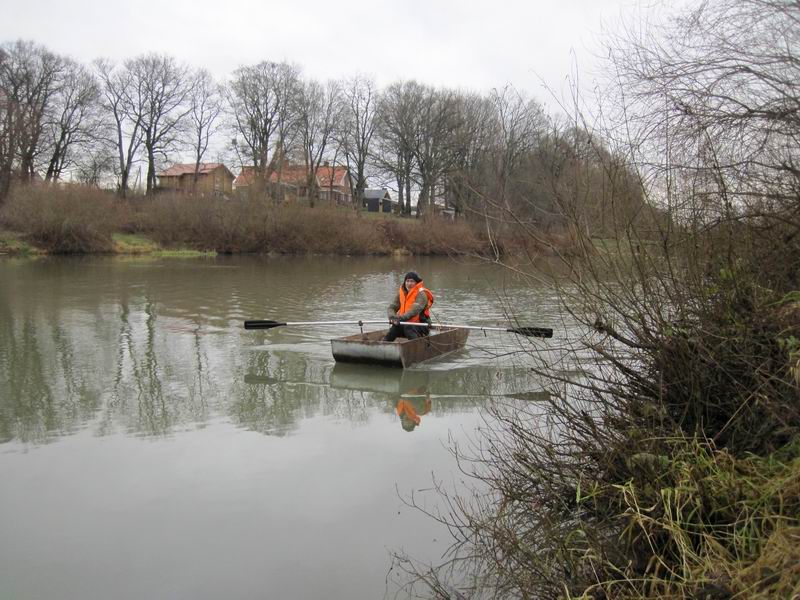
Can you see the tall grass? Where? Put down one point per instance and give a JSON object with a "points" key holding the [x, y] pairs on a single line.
{"points": [[80, 220], [75, 219]]}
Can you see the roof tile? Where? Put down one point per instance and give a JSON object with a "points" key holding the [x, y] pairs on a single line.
{"points": [[188, 169]]}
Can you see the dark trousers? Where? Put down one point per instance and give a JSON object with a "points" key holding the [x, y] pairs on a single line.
{"points": [[407, 331]]}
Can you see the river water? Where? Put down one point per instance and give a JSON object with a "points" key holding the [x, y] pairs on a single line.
{"points": [[150, 447]]}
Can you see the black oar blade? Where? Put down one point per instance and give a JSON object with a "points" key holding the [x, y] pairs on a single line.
{"points": [[542, 332], [262, 324]]}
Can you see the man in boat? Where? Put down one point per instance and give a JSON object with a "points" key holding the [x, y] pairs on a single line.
{"points": [[412, 304]]}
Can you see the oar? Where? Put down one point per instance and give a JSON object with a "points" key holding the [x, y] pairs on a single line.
{"points": [[542, 332], [271, 324]]}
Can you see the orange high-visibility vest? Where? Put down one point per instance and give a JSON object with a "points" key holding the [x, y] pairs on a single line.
{"points": [[407, 301], [405, 407]]}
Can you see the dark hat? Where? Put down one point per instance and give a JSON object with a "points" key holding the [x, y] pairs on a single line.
{"points": [[412, 275], [407, 424]]}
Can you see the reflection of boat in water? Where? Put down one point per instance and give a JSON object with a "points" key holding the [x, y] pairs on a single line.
{"points": [[378, 379], [454, 384], [369, 348], [252, 379]]}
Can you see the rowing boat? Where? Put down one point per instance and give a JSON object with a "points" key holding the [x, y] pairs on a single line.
{"points": [[370, 348]]}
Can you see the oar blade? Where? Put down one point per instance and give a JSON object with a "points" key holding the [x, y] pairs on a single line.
{"points": [[542, 332], [262, 324]]}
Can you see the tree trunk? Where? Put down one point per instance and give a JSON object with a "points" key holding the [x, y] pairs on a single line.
{"points": [[151, 172], [407, 209]]}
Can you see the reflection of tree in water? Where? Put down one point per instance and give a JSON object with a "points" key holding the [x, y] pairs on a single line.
{"points": [[46, 389], [45, 398], [146, 377], [294, 389], [135, 355], [29, 412], [162, 377]]}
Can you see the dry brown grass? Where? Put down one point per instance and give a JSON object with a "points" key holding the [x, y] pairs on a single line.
{"points": [[78, 219], [73, 219]]}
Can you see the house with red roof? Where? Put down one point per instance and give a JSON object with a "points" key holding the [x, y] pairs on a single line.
{"points": [[333, 182], [212, 178]]}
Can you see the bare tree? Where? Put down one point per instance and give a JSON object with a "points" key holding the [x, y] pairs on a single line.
{"points": [[520, 122], [474, 142], [29, 78], [318, 111], [74, 117], [685, 380], [729, 96], [96, 163], [396, 131], [160, 93], [357, 127], [206, 106], [125, 133], [6, 122], [260, 99], [434, 147], [418, 139]]}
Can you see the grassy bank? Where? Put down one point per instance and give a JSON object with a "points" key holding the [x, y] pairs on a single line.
{"points": [[666, 462], [13, 243], [78, 220]]}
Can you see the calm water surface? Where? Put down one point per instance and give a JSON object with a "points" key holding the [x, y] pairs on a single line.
{"points": [[150, 447]]}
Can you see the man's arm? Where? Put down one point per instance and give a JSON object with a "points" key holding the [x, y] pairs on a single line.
{"points": [[391, 310]]}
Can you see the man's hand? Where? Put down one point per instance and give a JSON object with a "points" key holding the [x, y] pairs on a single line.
{"points": [[394, 320]]}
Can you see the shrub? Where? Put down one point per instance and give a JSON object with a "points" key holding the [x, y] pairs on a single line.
{"points": [[72, 219], [82, 219], [666, 463], [249, 225]]}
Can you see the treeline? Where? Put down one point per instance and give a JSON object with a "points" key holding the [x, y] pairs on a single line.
{"points": [[490, 154]]}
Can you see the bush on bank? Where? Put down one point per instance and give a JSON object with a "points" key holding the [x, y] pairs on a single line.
{"points": [[666, 463], [668, 467], [73, 220], [76, 219]]}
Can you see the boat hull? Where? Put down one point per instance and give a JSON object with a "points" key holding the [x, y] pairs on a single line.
{"points": [[368, 348]]}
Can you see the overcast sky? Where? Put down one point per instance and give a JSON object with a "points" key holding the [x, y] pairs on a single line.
{"points": [[463, 44]]}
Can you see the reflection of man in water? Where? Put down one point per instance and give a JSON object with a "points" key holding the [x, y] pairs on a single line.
{"points": [[411, 408]]}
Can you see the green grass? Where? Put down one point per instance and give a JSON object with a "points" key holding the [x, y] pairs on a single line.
{"points": [[183, 253], [129, 243], [12, 243]]}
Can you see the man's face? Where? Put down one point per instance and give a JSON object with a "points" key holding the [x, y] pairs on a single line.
{"points": [[410, 283]]}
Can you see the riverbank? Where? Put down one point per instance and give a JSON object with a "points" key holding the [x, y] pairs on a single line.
{"points": [[82, 220], [13, 243]]}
